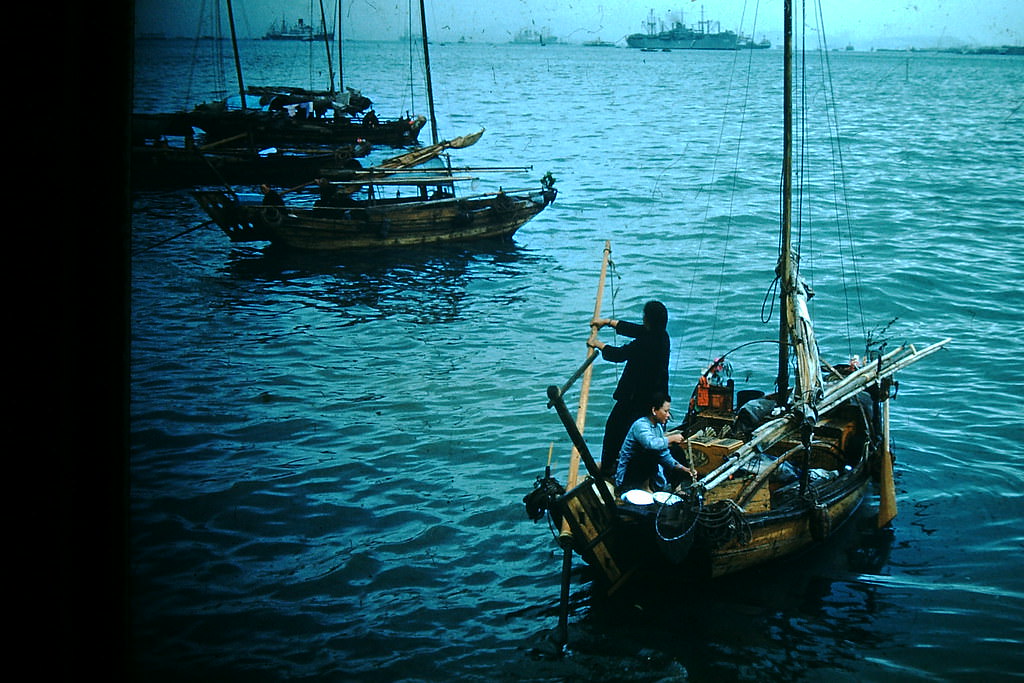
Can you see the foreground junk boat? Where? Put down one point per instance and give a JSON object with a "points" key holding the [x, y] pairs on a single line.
{"points": [[682, 37], [776, 473]]}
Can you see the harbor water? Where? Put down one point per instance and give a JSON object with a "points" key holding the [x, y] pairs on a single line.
{"points": [[327, 454]]}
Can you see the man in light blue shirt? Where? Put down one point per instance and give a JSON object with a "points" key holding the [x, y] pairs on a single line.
{"points": [[644, 460]]}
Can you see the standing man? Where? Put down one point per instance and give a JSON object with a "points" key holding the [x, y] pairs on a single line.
{"points": [[646, 373]]}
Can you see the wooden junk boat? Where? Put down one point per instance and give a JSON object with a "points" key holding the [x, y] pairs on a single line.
{"points": [[301, 123], [776, 474], [285, 115], [167, 154], [429, 213], [392, 204]]}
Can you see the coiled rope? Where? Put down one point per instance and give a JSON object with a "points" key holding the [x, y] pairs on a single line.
{"points": [[724, 522], [693, 523]]}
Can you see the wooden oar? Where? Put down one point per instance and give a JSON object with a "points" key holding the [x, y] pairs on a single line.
{"points": [[174, 237], [591, 357]]}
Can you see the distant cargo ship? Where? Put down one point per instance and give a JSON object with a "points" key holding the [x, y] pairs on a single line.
{"points": [[682, 37], [528, 36], [298, 31]]}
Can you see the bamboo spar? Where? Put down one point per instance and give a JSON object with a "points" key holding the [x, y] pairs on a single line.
{"points": [[887, 486], [555, 394], [581, 414]]}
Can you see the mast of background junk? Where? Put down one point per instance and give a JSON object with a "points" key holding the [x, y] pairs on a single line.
{"points": [[785, 266]]}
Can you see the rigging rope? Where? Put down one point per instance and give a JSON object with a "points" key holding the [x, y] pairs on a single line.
{"points": [[218, 47], [839, 190], [847, 255], [735, 112]]}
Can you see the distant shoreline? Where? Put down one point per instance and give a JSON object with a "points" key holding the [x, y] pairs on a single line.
{"points": [[984, 50]]}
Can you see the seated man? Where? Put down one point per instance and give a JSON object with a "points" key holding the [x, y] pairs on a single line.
{"points": [[644, 460]]}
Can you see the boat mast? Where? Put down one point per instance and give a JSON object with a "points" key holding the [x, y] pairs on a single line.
{"points": [[341, 77], [426, 67], [234, 46], [327, 46], [785, 266]]}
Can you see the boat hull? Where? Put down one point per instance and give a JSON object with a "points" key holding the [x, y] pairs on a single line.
{"points": [[777, 536], [746, 521], [375, 225], [278, 128], [691, 41], [618, 547]]}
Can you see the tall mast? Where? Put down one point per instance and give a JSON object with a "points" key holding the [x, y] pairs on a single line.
{"points": [[327, 46], [426, 67], [234, 46], [785, 267], [341, 76]]}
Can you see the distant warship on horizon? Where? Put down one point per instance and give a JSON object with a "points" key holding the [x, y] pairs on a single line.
{"points": [[682, 37]]}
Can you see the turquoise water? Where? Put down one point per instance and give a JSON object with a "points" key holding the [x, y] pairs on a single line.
{"points": [[327, 455]]}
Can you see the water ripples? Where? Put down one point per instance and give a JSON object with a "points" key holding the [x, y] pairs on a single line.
{"points": [[328, 455]]}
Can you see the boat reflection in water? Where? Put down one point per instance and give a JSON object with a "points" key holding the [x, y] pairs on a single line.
{"points": [[817, 610], [426, 284]]}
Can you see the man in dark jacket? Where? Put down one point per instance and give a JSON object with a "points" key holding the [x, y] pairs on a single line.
{"points": [[646, 373]]}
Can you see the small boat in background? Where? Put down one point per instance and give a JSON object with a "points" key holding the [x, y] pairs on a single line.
{"points": [[302, 123], [372, 209], [166, 154], [388, 206], [284, 115]]}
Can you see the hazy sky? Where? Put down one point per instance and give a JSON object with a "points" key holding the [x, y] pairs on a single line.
{"points": [[862, 22]]}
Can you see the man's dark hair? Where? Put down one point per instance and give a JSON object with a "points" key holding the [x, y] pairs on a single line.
{"points": [[658, 398]]}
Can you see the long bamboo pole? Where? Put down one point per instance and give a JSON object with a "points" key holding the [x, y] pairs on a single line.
{"points": [[565, 539], [581, 413]]}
